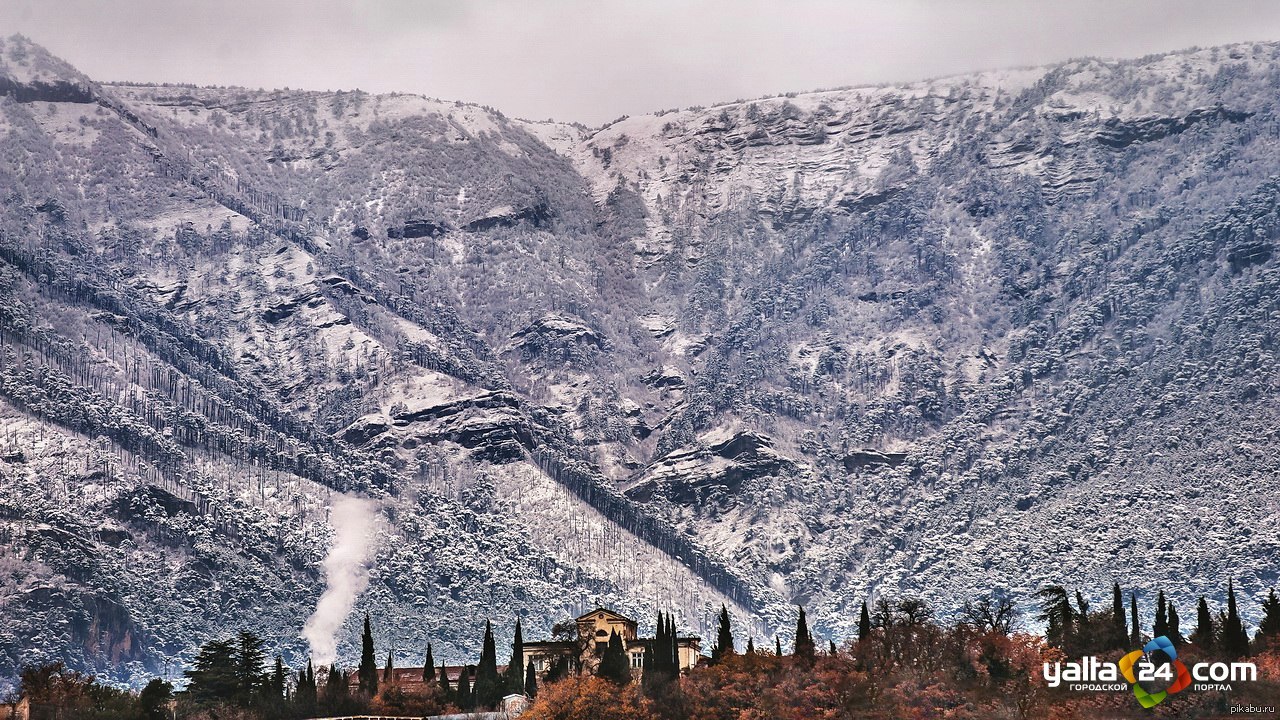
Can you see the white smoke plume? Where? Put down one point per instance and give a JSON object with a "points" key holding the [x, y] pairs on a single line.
{"points": [[346, 572]]}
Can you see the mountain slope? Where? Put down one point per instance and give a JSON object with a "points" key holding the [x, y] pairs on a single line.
{"points": [[994, 330]]}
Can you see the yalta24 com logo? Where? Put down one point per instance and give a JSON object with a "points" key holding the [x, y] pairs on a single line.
{"points": [[1154, 673]]}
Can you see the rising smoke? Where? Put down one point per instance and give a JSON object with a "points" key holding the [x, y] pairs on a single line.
{"points": [[346, 572]]}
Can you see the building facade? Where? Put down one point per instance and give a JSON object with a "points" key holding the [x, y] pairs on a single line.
{"points": [[594, 629]]}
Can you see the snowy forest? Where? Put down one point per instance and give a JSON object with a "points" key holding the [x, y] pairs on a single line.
{"points": [[1009, 330]]}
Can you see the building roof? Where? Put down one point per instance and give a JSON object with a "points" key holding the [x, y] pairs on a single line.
{"points": [[610, 614]]}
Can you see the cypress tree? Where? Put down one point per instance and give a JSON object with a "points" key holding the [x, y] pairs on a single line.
{"points": [[673, 647], [530, 680], [445, 690], [1135, 637], [864, 623], [804, 646], [388, 672], [368, 671], [335, 687], [724, 638], [463, 697], [777, 646], [1174, 632], [751, 646], [428, 666], [515, 666], [277, 679], [1235, 642], [488, 689], [1161, 625], [614, 666], [1119, 630], [831, 648], [306, 691], [1203, 636], [1269, 628]]}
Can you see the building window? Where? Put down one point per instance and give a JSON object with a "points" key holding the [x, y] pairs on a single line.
{"points": [[637, 660]]}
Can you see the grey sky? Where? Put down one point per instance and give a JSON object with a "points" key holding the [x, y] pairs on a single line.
{"points": [[592, 60]]}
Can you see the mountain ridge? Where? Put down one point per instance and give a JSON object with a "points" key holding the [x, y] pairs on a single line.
{"points": [[792, 350]]}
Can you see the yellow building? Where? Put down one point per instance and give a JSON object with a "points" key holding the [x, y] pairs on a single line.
{"points": [[594, 629]]}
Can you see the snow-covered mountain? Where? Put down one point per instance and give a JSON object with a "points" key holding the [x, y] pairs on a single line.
{"points": [[994, 330]]}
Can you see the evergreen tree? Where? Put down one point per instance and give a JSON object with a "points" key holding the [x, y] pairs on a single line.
{"points": [[724, 638], [251, 677], [831, 648], [306, 691], [515, 666], [445, 690], [1203, 636], [1135, 635], [1235, 642], [428, 666], [1059, 616], [1119, 631], [531, 680], [864, 623], [368, 670], [777, 646], [614, 666], [804, 646], [463, 697], [1269, 628], [751, 646], [1174, 631], [1161, 625], [153, 700], [336, 686], [388, 671], [1082, 616], [661, 664], [277, 679], [213, 672], [488, 688]]}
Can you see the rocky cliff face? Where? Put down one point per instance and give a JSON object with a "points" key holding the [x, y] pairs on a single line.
{"points": [[993, 330]]}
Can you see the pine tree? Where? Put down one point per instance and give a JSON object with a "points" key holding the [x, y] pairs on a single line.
{"points": [[251, 679], [1174, 631], [515, 666], [1059, 617], [804, 646], [864, 623], [368, 670], [488, 689], [1235, 641], [724, 638], [1119, 630], [1269, 628], [1203, 637], [428, 666], [388, 672], [530, 680], [613, 666], [213, 672], [1161, 625], [1135, 635]]}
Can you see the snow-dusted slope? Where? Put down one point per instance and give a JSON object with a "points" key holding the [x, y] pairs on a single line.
{"points": [[1002, 329]]}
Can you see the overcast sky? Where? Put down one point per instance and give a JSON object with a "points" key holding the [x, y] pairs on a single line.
{"points": [[592, 60]]}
